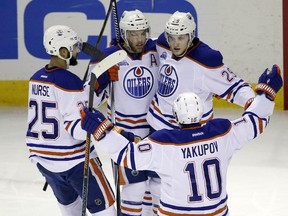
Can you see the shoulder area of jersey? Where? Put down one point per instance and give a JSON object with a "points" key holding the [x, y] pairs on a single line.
{"points": [[200, 52], [162, 42], [164, 136], [213, 128], [217, 126], [204, 55], [62, 78], [150, 45]]}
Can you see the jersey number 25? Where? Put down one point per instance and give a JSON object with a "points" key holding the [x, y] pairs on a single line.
{"points": [[41, 115]]}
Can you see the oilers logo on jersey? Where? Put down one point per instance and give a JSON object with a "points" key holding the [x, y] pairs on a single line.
{"points": [[167, 81], [138, 82]]}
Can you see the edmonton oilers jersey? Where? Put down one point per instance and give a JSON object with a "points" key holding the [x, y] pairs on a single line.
{"points": [[54, 135], [134, 90], [201, 71], [192, 162]]}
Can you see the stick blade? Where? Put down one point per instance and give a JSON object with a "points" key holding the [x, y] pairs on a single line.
{"points": [[108, 62]]}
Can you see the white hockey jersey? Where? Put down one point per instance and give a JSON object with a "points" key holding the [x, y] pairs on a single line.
{"points": [[54, 135], [200, 71], [134, 90], [192, 163]]}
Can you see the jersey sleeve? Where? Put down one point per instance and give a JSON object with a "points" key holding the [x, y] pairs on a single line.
{"points": [[71, 98], [140, 156], [223, 83], [252, 123], [217, 77]]}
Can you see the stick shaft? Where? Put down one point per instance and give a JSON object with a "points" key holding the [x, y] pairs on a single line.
{"points": [[87, 150], [115, 167]]}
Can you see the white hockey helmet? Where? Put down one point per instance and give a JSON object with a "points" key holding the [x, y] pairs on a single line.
{"points": [[59, 36], [188, 108], [181, 23], [133, 21]]}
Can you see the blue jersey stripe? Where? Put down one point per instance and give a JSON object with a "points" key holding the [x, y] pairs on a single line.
{"points": [[181, 208], [73, 127], [132, 159], [45, 146], [162, 120], [230, 89], [120, 156], [132, 127]]}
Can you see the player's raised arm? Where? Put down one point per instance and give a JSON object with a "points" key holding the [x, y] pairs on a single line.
{"points": [[256, 117]]}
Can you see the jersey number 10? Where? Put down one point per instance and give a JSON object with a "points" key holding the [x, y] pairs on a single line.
{"points": [[211, 171]]}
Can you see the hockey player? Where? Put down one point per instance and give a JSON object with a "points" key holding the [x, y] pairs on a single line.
{"points": [[55, 139], [192, 161], [133, 93], [188, 64]]}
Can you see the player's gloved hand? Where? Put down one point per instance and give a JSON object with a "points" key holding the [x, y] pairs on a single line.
{"points": [[110, 75], [95, 123], [270, 82], [128, 135]]}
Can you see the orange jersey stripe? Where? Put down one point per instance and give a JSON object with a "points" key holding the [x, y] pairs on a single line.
{"points": [[103, 181], [121, 177], [58, 153], [130, 209], [209, 214], [261, 127], [131, 121]]}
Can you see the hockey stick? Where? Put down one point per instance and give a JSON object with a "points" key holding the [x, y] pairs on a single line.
{"points": [[99, 69], [92, 51], [115, 17], [115, 167], [99, 38], [45, 186]]}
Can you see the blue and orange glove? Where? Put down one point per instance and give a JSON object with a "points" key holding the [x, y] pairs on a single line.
{"points": [[102, 81], [95, 123], [270, 82]]}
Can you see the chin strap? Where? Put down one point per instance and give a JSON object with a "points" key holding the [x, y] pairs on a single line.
{"points": [[190, 44], [67, 63], [67, 60]]}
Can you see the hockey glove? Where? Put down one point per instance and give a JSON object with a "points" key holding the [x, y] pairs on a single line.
{"points": [[95, 123], [110, 75], [270, 82]]}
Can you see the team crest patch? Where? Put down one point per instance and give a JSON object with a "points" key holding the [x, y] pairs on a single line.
{"points": [[138, 82], [123, 63], [168, 81]]}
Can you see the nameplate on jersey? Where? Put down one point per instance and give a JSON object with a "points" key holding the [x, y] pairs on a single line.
{"points": [[40, 90]]}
